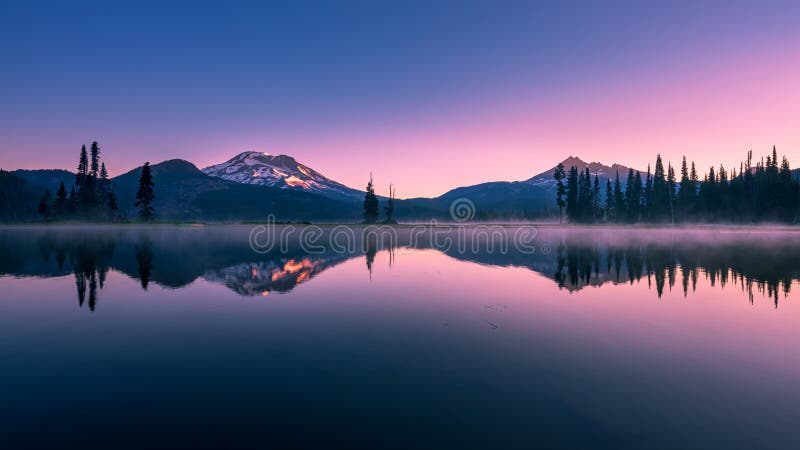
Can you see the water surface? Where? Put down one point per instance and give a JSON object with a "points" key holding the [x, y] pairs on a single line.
{"points": [[175, 336]]}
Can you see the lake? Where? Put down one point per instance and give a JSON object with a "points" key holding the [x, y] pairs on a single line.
{"points": [[435, 337]]}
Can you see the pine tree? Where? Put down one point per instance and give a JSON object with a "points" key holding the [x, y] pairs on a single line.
{"points": [[559, 176], [671, 191], [647, 196], [631, 202], [95, 151], [61, 205], [610, 211], [636, 202], [145, 195], [659, 207], [72, 204], [585, 197], [595, 198], [45, 204], [684, 198], [573, 210], [83, 167], [112, 205], [370, 203], [619, 201], [102, 189]]}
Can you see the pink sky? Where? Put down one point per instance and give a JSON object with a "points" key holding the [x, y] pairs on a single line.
{"points": [[712, 109], [712, 105]]}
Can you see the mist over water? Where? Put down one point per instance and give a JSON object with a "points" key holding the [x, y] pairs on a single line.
{"points": [[453, 336]]}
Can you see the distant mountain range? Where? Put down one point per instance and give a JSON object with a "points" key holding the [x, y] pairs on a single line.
{"points": [[253, 184]]}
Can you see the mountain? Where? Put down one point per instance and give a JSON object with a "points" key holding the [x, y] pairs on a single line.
{"points": [[47, 178], [545, 179], [502, 198], [252, 185], [18, 198], [183, 192], [281, 171]]}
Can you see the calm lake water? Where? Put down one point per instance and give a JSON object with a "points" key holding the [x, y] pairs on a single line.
{"points": [[583, 338]]}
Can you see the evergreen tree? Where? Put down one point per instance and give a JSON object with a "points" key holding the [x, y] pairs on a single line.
{"points": [[636, 201], [370, 203], [585, 197], [559, 176], [671, 191], [596, 199], [631, 201], [610, 211], [61, 203], [647, 197], [573, 210], [95, 169], [45, 204], [684, 198], [83, 167], [113, 208], [145, 195], [619, 201], [72, 204], [659, 205]]}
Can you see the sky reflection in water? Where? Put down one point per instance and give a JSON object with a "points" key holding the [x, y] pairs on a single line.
{"points": [[600, 338]]}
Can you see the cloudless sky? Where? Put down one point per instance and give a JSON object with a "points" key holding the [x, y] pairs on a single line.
{"points": [[428, 95]]}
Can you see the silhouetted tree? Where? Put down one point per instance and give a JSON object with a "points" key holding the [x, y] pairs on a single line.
{"points": [[389, 208], [83, 167], [370, 203], [596, 199], [61, 203], [559, 176], [619, 201], [94, 170], [145, 195], [45, 204], [610, 210], [573, 210], [144, 263]]}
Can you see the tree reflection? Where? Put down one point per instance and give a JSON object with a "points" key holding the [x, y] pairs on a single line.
{"points": [[90, 261], [144, 262], [769, 270]]}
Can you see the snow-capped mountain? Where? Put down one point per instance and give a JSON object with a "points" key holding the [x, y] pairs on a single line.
{"points": [[280, 171], [545, 179]]}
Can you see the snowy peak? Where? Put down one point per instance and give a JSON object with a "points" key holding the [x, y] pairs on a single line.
{"points": [[603, 172], [280, 171]]}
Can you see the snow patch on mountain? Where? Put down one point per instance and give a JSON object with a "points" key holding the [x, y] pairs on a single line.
{"points": [[545, 179], [281, 171]]}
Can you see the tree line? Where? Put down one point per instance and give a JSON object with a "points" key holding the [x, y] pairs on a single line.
{"points": [[92, 196], [762, 192]]}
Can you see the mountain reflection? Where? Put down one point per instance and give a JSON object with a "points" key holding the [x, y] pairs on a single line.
{"points": [[263, 277], [763, 264]]}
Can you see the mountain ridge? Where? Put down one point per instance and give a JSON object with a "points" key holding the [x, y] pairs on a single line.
{"points": [[253, 184]]}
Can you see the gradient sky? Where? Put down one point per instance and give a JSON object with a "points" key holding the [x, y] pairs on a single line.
{"points": [[429, 95]]}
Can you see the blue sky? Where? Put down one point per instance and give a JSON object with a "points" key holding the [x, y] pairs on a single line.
{"points": [[347, 86]]}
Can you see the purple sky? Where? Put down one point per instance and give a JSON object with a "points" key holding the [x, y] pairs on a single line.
{"points": [[428, 95]]}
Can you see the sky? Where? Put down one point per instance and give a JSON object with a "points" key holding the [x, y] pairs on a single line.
{"points": [[426, 95]]}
